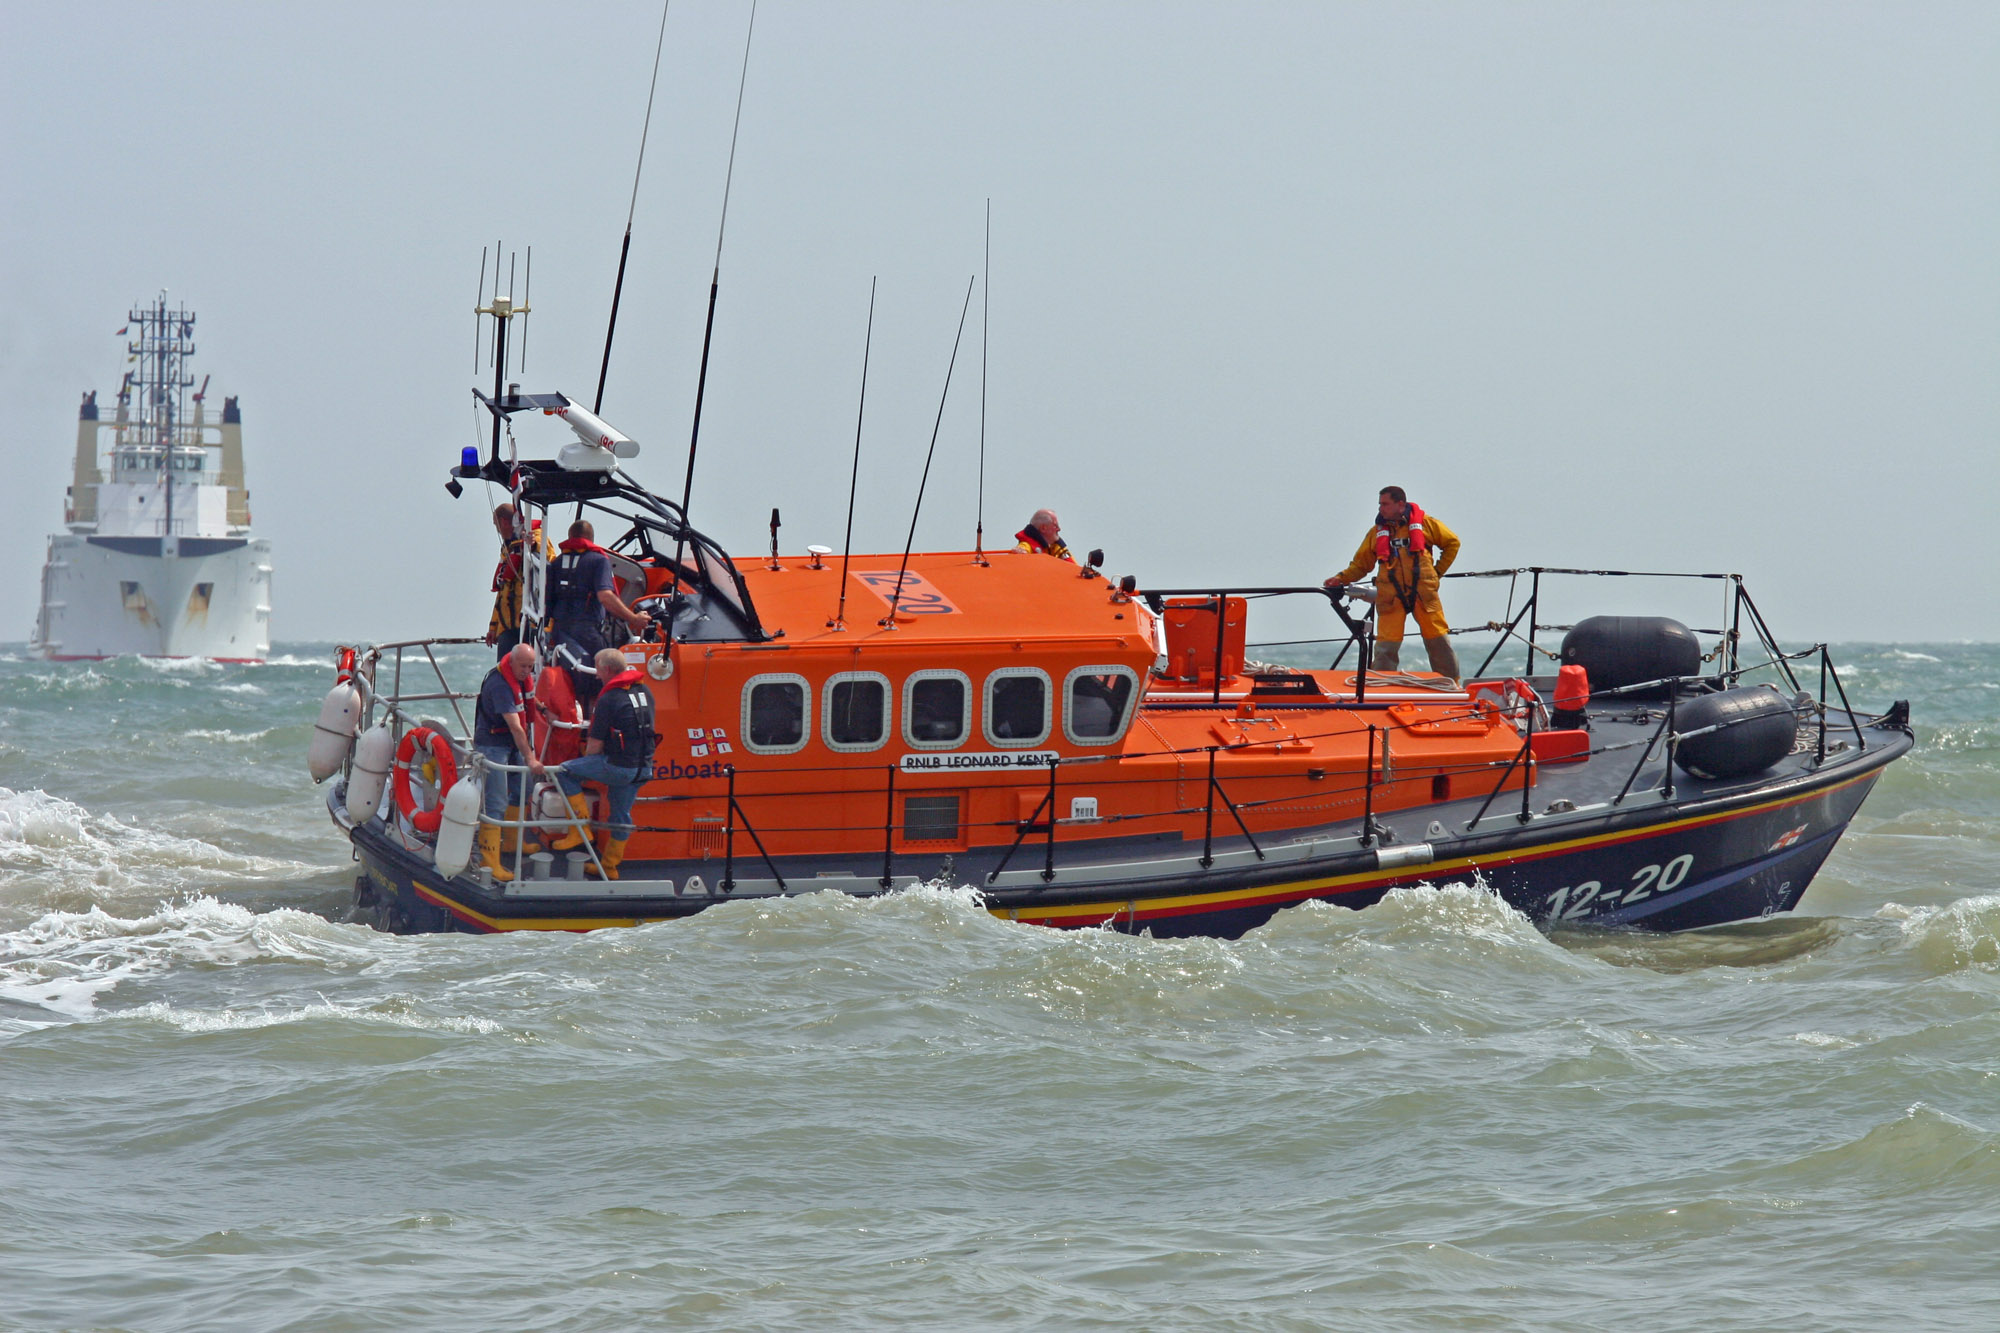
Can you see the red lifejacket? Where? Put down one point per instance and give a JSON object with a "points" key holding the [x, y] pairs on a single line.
{"points": [[581, 544], [1419, 540], [1058, 549], [524, 695], [629, 676]]}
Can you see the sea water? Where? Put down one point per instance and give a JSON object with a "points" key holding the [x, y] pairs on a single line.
{"points": [[226, 1105]]}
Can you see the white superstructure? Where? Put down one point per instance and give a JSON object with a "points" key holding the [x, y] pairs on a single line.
{"points": [[158, 560]]}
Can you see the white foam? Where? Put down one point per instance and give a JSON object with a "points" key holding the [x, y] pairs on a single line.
{"points": [[177, 666], [1913, 657], [227, 1020], [65, 961], [1958, 936], [229, 737], [42, 834]]}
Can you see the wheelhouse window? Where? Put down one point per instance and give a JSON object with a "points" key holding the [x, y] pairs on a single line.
{"points": [[776, 714], [1017, 706], [855, 713], [937, 709], [1098, 703]]}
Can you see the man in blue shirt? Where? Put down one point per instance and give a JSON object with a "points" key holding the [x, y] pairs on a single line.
{"points": [[500, 734]]}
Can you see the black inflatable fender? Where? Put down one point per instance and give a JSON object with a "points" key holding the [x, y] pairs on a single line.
{"points": [[1618, 651], [1754, 727]]}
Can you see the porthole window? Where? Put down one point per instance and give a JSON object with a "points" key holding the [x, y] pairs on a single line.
{"points": [[1017, 707], [854, 715], [937, 709], [1097, 703], [776, 715]]}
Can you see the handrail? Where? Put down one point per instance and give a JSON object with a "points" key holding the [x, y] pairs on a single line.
{"points": [[1044, 819]]}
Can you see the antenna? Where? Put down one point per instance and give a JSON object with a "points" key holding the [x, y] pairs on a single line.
{"points": [[889, 621], [625, 248], [714, 285], [985, 308], [478, 300], [527, 303], [512, 260], [847, 544], [503, 309]]}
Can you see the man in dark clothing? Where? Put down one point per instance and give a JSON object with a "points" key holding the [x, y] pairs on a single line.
{"points": [[583, 599], [499, 733], [619, 754]]}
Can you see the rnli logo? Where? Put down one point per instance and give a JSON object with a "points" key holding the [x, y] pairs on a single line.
{"points": [[1789, 839], [917, 597]]}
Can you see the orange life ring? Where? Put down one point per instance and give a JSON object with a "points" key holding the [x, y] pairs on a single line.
{"points": [[424, 821]]}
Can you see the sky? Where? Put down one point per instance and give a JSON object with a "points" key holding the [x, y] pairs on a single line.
{"points": [[1706, 287]]}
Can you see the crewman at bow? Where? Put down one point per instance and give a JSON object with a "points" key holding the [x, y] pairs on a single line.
{"points": [[1043, 536], [1410, 550], [582, 602]]}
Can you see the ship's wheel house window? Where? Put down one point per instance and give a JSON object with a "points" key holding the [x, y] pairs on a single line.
{"points": [[855, 712], [1097, 703], [776, 715], [937, 709], [1017, 706]]}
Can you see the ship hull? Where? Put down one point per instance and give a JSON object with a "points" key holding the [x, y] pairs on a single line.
{"points": [[106, 597], [1656, 866]]}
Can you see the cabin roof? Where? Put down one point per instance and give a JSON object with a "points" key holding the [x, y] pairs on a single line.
{"points": [[947, 597]]}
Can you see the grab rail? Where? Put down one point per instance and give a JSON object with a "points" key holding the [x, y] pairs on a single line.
{"points": [[1044, 819]]}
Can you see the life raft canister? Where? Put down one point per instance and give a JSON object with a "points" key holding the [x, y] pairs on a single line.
{"points": [[423, 821], [1419, 539]]}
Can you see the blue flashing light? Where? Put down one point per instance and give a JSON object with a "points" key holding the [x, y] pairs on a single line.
{"points": [[468, 458]]}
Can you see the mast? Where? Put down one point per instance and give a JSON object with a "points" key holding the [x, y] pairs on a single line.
{"points": [[165, 340]]}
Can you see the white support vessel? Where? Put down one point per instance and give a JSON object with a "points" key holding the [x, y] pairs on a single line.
{"points": [[158, 560]]}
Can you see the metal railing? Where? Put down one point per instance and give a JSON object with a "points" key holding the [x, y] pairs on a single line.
{"points": [[1365, 788], [394, 706]]}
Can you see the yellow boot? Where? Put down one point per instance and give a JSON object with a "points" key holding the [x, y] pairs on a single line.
{"points": [[573, 837], [530, 844], [489, 854], [611, 853]]}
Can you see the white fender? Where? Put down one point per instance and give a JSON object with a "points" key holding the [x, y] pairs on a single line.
{"points": [[456, 827], [373, 754], [339, 719]]}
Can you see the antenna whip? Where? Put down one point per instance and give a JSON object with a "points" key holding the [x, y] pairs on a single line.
{"points": [[625, 249], [985, 309], [714, 285], [896, 592], [854, 481]]}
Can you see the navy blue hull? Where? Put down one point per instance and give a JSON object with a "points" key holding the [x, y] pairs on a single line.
{"points": [[1657, 869]]}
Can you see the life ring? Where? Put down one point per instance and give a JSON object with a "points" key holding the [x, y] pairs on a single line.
{"points": [[424, 821]]}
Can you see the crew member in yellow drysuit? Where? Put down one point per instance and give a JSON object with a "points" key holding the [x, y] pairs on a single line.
{"points": [[1400, 547]]}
